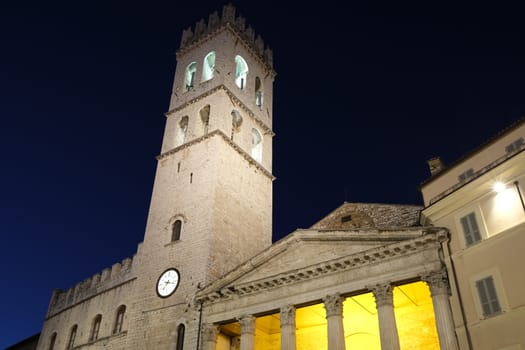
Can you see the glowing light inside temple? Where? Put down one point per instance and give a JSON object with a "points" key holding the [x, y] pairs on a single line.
{"points": [[414, 320]]}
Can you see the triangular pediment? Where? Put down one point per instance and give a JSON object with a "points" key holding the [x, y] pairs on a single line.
{"points": [[316, 252]]}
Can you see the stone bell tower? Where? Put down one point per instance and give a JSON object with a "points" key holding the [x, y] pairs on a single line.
{"points": [[211, 206]]}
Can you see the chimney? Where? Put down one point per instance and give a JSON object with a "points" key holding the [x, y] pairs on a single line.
{"points": [[436, 165]]}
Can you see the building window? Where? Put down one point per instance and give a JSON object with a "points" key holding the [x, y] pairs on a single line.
{"points": [[470, 229], [258, 92], [515, 146], [72, 336], [189, 78], [52, 341], [488, 297], [465, 175], [95, 327], [175, 232], [236, 121], [180, 336], [208, 66], [182, 131], [205, 118], [241, 72], [119, 320], [256, 145]]}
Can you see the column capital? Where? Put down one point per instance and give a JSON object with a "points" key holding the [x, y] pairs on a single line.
{"points": [[382, 294], [209, 332], [287, 315], [247, 324], [333, 305], [437, 281]]}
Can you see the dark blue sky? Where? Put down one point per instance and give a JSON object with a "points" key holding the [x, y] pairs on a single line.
{"points": [[363, 97]]}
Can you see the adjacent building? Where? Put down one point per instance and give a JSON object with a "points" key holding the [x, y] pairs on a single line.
{"points": [[480, 200]]}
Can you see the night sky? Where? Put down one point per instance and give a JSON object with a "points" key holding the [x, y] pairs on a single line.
{"points": [[363, 97]]}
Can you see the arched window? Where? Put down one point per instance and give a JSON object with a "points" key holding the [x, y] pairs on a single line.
{"points": [[182, 131], [208, 66], [189, 78], [258, 92], [205, 118], [175, 230], [256, 145], [236, 121], [119, 319], [95, 327], [52, 341], [72, 336], [241, 71], [180, 336]]}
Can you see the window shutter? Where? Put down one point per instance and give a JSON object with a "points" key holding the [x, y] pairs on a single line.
{"points": [[488, 296], [493, 297], [483, 297], [470, 229], [466, 231]]}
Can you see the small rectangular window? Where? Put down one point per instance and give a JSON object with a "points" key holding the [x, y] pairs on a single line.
{"points": [[346, 218], [515, 146], [465, 175], [470, 229], [488, 297]]}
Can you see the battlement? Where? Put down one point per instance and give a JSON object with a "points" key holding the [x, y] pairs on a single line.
{"points": [[229, 20], [117, 274]]}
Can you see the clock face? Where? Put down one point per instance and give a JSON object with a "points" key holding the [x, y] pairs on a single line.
{"points": [[167, 283]]}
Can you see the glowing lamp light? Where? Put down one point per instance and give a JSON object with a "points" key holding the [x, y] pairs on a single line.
{"points": [[499, 187]]}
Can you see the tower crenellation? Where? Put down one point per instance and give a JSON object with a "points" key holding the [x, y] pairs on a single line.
{"points": [[103, 281], [228, 20]]}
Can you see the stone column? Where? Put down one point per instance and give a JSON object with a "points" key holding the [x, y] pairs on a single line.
{"points": [[334, 318], [439, 289], [209, 336], [387, 318], [288, 327], [247, 332]]}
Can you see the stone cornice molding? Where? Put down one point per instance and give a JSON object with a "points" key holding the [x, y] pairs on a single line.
{"points": [[382, 294], [219, 133], [236, 101], [333, 305], [220, 290], [287, 315], [437, 281]]}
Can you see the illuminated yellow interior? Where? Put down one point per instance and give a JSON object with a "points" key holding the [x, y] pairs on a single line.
{"points": [[311, 331], [360, 322], [414, 319]]}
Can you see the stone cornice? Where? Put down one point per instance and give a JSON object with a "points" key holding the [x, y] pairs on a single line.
{"points": [[221, 290], [219, 133], [234, 99]]}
